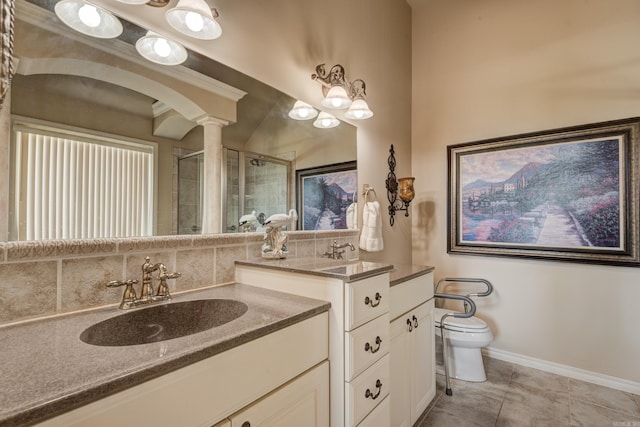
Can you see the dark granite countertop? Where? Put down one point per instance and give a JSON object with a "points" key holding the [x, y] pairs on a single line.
{"points": [[45, 369], [346, 270], [403, 272]]}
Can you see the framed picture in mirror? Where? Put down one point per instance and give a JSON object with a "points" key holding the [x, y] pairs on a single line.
{"points": [[327, 197], [567, 194]]}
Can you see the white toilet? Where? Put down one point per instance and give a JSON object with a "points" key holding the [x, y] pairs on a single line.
{"points": [[465, 339]]}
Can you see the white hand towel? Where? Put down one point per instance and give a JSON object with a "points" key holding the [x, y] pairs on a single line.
{"points": [[371, 236], [352, 216]]}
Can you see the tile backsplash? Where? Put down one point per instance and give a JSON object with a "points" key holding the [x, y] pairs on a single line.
{"points": [[44, 278]]}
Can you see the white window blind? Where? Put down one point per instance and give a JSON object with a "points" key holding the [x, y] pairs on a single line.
{"points": [[72, 187]]}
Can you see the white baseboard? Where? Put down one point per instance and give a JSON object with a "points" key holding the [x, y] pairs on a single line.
{"points": [[565, 370]]}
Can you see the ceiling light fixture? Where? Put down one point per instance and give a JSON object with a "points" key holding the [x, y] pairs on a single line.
{"points": [[161, 50], [194, 18], [88, 19], [339, 93], [302, 111], [326, 121]]}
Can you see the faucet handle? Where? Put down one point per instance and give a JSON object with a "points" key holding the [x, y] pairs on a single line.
{"points": [[163, 289], [118, 283], [129, 295]]}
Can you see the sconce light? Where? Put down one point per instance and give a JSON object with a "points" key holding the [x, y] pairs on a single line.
{"points": [[161, 50], [88, 19], [302, 111], [326, 121], [339, 93], [195, 18], [402, 188]]}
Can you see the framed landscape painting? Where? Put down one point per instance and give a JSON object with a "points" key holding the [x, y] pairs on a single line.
{"points": [[324, 194], [565, 194]]}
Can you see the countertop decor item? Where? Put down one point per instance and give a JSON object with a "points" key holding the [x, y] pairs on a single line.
{"points": [[275, 240]]}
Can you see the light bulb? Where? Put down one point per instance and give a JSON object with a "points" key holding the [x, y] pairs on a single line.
{"points": [[325, 122], [336, 102], [358, 114], [303, 113], [162, 48], [89, 16], [194, 21]]}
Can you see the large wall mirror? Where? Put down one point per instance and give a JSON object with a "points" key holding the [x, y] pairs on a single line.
{"points": [[71, 90]]}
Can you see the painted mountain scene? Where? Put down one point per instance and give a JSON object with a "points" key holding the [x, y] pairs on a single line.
{"points": [[557, 195], [326, 199]]}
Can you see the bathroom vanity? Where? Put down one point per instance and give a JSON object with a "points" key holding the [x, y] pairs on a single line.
{"points": [[269, 363], [380, 333]]}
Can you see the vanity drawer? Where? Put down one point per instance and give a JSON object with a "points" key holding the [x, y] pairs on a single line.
{"points": [[365, 300], [366, 345], [379, 417], [410, 294], [366, 391]]}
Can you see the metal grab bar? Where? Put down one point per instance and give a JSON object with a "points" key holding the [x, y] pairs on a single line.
{"points": [[468, 280], [459, 315]]}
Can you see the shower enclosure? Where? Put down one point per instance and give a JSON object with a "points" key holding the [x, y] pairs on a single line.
{"points": [[254, 183], [190, 178], [251, 182]]}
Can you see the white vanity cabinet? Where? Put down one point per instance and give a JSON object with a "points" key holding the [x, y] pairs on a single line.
{"points": [[358, 338], [412, 349], [262, 378], [302, 402]]}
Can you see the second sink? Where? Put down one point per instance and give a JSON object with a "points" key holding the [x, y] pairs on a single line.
{"points": [[163, 322]]}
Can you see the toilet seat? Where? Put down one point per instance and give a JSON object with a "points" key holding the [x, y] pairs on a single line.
{"points": [[468, 324]]}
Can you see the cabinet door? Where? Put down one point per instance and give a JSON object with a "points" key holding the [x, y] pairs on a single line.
{"points": [[302, 402], [399, 361], [421, 359]]}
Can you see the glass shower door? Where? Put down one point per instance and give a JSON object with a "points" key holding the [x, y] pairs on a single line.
{"points": [[190, 174]]}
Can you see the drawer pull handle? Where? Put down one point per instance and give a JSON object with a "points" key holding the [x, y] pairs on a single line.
{"points": [[368, 394], [369, 347], [415, 322], [246, 424], [369, 301], [410, 325]]}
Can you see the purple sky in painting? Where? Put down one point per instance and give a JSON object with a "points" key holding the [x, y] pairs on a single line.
{"points": [[497, 166]]}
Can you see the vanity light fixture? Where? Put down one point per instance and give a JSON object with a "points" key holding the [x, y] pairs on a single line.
{"points": [[326, 121], [161, 50], [302, 111], [194, 18], [88, 19], [339, 93], [402, 188]]}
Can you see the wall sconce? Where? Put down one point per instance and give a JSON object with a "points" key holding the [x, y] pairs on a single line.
{"points": [[193, 18], [339, 93], [302, 111], [402, 188], [326, 121], [88, 19], [161, 50]]}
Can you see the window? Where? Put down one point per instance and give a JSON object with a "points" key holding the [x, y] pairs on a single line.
{"points": [[70, 184]]}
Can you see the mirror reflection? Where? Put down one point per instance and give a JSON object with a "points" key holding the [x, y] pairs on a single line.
{"points": [[113, 145]]}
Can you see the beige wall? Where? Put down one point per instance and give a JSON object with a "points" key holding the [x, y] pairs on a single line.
{"points": [[281, 41], [493, 68]]}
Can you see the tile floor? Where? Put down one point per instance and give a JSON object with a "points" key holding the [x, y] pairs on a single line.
{"points": [[518, 396]]}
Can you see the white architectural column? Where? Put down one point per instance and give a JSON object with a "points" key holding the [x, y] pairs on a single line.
{"points": [[212, 175], [5, 137]]}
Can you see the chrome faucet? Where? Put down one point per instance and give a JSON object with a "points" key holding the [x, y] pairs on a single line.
{"points": [[335, 253], [129, 298]]}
